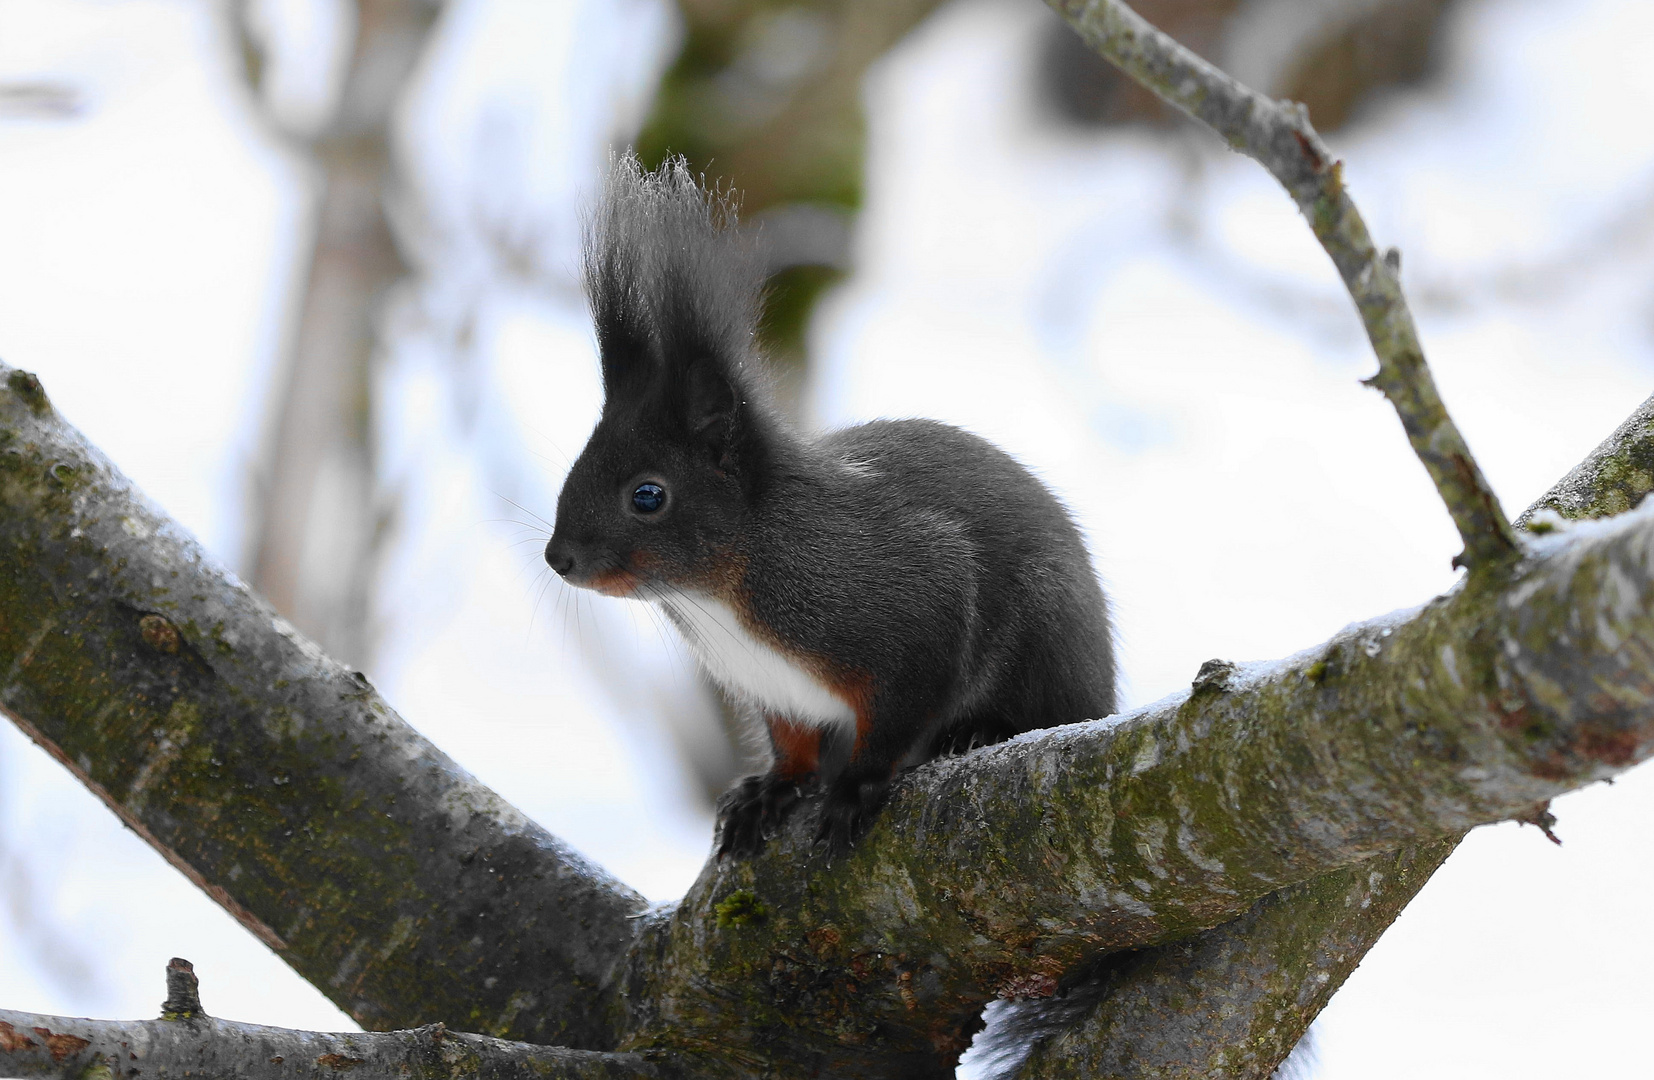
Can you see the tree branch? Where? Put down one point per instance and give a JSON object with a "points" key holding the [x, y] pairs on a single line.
{"points": [[1278, 136], [1124, 1030], [1234, 1001], [274, 778], [1614, 478], [75, 1049], [997, 873], [185, 1041]]}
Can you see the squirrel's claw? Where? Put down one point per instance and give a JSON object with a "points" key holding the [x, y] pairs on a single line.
{"points": [[752, 813], [846, 812]]}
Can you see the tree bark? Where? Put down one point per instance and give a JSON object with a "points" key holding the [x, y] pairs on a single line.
{"points": [[1232, 1002], [75, 1049], [274, 778]]}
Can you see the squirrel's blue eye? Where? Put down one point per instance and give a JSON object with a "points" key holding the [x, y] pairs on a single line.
{"points": [[648, 498]]}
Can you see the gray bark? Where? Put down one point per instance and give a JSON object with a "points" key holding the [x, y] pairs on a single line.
{"points": [[76, 1049], [185, 1041], [275, 778], [1231, 1002]]}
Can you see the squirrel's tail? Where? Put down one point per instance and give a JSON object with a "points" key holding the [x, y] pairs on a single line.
{"points": [[1018, 1030]]}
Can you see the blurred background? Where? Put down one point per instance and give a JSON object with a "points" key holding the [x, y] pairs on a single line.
{"points": [[307, 271]]}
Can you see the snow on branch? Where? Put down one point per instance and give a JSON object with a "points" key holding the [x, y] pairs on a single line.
{"points": [[1251, 987], [1278, 136], [996, 873]]}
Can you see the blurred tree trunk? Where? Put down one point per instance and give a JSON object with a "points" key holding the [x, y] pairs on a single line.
{"points": [[766, 97], [318, 510]]}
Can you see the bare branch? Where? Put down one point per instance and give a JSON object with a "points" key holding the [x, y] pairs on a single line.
{"points": [[1611, 480], [58, 1046], [185, 1041], [1125, 1032], [274, 778], [1279, 136], [41, 100]]}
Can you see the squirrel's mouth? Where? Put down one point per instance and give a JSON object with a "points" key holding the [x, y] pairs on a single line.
{"points": [[602, 572], [611, 581], [612, 575]]}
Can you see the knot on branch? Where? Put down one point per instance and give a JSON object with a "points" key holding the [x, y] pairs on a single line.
{"points": [[159, 634], [183, 992], [1214, 675], [1541, 818], [28, 389]]}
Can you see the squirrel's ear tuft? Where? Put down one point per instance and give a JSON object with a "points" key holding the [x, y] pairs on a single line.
{"points": [[675, 291], [616, 273]]}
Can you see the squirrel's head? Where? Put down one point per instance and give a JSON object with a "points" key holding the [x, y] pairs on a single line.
{"points": [[687, 441]]}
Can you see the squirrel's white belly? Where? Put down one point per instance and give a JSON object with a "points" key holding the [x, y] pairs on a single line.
{"points": [[748, 668]]}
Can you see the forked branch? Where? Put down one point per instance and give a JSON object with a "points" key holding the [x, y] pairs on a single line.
{"points": [[1278, 136]]}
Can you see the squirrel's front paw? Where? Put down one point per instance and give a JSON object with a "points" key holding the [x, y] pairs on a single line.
{"points": [[849, 808], [752, 811]]}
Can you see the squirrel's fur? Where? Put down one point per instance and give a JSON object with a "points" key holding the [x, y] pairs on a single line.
{"points": [[878, 594]]}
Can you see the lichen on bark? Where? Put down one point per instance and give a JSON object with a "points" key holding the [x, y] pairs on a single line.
{"points": [[1614, 478]]}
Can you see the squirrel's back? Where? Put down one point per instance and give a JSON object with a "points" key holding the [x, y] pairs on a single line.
{"points": [[915, 529]]}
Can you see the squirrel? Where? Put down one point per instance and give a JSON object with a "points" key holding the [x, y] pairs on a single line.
{"points": [[879, 595]]}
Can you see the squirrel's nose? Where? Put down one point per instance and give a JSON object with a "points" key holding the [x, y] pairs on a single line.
{"points": [[558, 557]]}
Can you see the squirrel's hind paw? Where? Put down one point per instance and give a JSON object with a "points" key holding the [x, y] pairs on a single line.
{"points": [[846, 813], [751, 813]]}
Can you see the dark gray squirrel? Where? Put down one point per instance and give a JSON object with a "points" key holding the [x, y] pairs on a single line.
{"points": [[879, 595]]}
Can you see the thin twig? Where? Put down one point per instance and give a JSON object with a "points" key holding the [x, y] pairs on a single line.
{"points": [[1278, 136]]}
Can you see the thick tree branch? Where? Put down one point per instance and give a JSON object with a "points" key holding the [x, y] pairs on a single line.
{"points": [[997, 873], [1278, 136], [274, 778], [1125, 1032], [1234, 1001]]}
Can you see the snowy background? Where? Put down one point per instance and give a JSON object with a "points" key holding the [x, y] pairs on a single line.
{"points": [[1141, 317]]}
